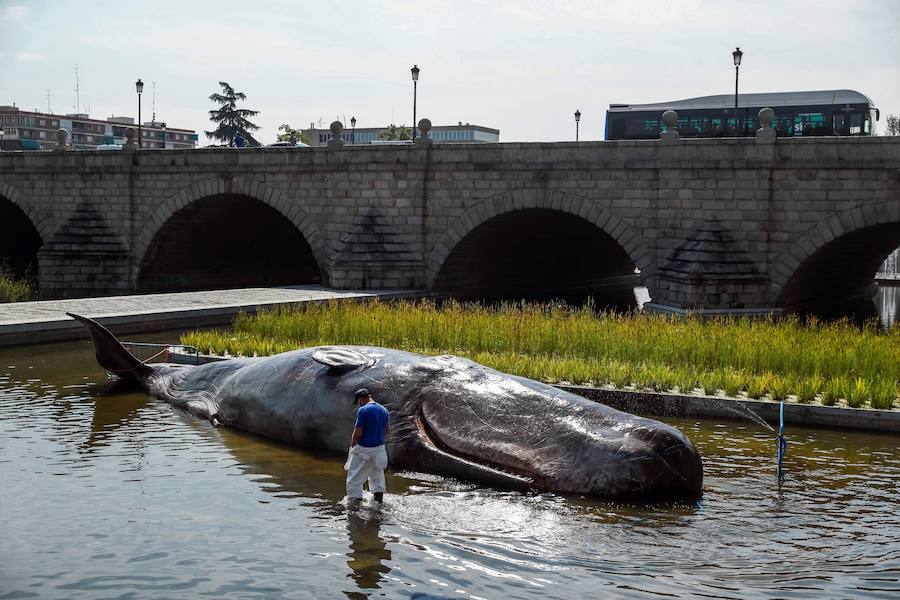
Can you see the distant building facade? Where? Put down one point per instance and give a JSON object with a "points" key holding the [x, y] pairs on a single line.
{"points": [[31, 130], [463, 133]]}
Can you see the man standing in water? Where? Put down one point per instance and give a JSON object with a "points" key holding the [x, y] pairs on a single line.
{"points": [[368, 457]]}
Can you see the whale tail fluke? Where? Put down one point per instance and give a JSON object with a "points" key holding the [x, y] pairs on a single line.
{"points": [[111, 354]]}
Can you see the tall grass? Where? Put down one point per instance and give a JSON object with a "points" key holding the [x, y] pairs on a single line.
{"points": [[775, 358], [13, 289]]}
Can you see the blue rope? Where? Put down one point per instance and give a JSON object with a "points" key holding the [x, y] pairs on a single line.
{"points": [[781, 442]]}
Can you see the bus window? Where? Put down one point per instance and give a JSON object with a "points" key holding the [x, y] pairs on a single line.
{"points": [[856, 124], [809, 124], [841, 123], [783, 124], [616, 129], [698, 126], [749, 126], [643, 128]]}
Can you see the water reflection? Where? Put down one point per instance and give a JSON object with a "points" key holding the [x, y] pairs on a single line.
{"points": [[112, 412], [888, 303], [883, 307], [317, 481], [368, 555]]}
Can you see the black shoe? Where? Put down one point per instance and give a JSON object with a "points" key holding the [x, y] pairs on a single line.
{"points": [[379, 496]]}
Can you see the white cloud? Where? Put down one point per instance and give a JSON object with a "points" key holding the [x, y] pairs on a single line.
{"points": [[619, 14], [29, 57], [23, 57], [12, 13]]}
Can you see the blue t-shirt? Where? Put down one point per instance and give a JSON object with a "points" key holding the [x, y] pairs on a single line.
{"points": [[373, 418]]}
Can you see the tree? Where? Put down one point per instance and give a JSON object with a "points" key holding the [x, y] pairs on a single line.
{"points": [[292, 135], [892, 125], [392, 132], [231, 120]]}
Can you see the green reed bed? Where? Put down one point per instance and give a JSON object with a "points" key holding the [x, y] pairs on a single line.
{"points": [[13, 289], [775, 358]]}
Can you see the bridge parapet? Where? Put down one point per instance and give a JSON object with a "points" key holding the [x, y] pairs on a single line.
{"points": [[389, 216]]}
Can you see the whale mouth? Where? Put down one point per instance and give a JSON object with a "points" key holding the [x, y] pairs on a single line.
{"points": [[472, 466]]}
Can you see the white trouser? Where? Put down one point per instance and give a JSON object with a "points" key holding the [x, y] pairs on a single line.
{"points": [[362, 464]]}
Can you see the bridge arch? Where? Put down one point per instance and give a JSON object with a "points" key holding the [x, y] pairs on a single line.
{"points": [[228, 232], [536, 238], [839, 255], [22, 232]]}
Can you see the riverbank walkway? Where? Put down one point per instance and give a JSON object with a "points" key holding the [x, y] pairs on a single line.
{"points": [[46, 320]]}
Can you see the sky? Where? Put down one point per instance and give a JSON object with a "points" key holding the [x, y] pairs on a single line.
{"points": [[523, 67]]}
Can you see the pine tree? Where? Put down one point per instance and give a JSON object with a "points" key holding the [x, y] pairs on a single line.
{"points": [[231, 120]]}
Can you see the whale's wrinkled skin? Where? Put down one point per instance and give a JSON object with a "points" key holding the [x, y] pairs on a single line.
{"points": [[450, 416]]}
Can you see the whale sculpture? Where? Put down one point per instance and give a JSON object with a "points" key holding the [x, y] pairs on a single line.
{"points": [[450, 416]]}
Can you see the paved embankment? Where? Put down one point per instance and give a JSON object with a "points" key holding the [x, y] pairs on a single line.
{"points": [[46, 321], [676, 405]]}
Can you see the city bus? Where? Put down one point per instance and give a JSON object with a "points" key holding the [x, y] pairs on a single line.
{"points": [[827, 112]]}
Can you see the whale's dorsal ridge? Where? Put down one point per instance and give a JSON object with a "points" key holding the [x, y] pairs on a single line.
{"points": [[341, 359]]}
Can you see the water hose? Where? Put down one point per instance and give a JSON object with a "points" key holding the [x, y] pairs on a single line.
{"points": [[781, 443]]}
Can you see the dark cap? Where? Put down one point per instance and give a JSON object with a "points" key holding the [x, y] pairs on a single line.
{"points": [[360, 393]]}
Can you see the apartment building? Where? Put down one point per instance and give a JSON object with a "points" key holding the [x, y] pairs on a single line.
{"points": [[32, 130], [463, 133]]}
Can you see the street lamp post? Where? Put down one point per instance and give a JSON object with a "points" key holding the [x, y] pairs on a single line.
{"points": [[577, 121], [415, 78], [353, 126], [737, 54], [139, 86]]}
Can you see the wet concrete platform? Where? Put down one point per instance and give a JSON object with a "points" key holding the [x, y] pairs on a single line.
{"points": [[46, 320]]}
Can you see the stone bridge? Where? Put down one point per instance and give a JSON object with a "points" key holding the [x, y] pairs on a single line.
{"points": [[723, 224]]}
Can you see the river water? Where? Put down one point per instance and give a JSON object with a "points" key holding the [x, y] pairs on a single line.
{"points": [[884, 307], [109, 493]]}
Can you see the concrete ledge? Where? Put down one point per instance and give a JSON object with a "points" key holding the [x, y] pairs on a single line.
{"points": [[45, 321], [712, 312], [651, 403]]}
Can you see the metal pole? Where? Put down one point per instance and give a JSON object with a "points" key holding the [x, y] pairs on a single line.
{"points": [[414, 110], [140, 136], [736, 69], [576, 131]]}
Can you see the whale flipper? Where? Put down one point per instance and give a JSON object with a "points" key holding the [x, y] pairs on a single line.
{"points": [[111, 354]]}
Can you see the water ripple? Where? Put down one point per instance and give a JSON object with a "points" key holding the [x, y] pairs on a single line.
{"points": [[120, 494]]}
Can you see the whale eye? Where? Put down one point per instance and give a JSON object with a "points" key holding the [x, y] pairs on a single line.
{"points": [[341, 360]]}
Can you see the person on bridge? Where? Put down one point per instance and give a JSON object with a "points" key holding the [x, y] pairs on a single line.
{"points": [[368, 458], [239, 141]]}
